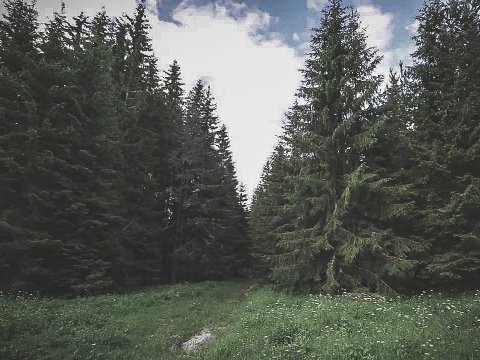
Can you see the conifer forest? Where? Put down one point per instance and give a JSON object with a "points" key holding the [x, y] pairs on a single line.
{"points": [[115, 175]]}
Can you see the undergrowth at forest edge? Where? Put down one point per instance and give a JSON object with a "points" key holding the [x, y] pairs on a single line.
{"points": [[249, 322]]}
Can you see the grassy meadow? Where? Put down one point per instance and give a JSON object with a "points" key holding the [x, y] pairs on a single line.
{"points": [[249, 322]]}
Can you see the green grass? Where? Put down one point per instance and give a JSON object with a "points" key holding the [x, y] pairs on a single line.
{"points": [[249, 322]]}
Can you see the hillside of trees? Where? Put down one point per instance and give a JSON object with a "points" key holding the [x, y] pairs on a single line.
{"points": [[373, 187], [114, 175], [111, 174]]}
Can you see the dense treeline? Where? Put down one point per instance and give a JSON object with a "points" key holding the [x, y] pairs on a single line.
{"points": [[371, 187], [113, 175], [110, 174]]}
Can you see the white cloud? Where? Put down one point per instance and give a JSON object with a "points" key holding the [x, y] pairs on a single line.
{"points": [[253, 77], [153, 5], [316, 4], [380, 33], [413, 28], [253, 73], [379, 26], [304, 48]]}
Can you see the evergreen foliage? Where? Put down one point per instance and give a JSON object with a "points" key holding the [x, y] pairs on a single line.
{"points": [[376, 189], [446, 112], [113, 175], [340, 237], [266, 215], [90, 144], [19, 123], [210, 216]]}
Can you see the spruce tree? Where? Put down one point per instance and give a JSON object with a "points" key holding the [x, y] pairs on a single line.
{"points": [[445, 111], [19, 122], [145, 141], [339, 226], [268, 217], [338, 88], [67, 214], [78, 152], [209, 221], [200, 182], [172, 88], [96, 108], [232, 233]]}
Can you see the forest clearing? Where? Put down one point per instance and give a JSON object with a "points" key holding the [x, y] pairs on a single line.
{"points": [[248, 322], [358, 238]]}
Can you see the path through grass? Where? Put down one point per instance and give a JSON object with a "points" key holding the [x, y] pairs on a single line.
{"points": [[250, 323]]}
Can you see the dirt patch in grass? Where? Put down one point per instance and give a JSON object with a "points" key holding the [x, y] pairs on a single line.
{"points": [[195, 342]]}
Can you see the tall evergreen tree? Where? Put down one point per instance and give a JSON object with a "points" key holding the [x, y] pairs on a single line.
{"points": [[210, 228], [108, 179], [447, 159], [339, 89], [232, 233], [78, 152], [200, 182], [19, 121], [68, 200], [145, 141], [96, 108], [269, 215], [173, 90], [338, 214]]}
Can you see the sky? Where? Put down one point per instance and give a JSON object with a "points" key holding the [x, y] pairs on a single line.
{"points": [[250, 53]]}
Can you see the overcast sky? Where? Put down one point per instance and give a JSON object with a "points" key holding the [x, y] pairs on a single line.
{"points": [[249, 52]]}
